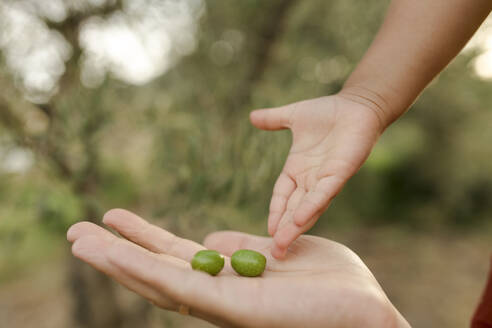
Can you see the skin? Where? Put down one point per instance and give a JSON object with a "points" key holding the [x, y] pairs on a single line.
{"points": [[332, 136], [325, 282]]}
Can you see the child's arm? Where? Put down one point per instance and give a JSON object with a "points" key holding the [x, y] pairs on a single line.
{"points": [[416, 41], [332, 136]]}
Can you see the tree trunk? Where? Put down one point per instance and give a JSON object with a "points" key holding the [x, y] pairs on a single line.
{"points": [[95, 304], [270, 32]]}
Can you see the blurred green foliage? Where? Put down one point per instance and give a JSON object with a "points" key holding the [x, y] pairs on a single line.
{"points": [[181, 148]]}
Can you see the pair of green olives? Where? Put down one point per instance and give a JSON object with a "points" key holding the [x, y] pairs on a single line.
{"points": [[245, 262]]}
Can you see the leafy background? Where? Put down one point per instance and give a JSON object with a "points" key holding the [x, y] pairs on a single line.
{"points": [[144, 105]]}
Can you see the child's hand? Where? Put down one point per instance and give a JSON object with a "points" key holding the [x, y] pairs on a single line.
{"points": [[332, 137]]}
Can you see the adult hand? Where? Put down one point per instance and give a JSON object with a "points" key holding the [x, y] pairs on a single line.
{"points": [[320, 283], [332, 137]]}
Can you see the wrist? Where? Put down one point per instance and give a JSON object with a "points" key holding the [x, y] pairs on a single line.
{"points": [[378, 101]]}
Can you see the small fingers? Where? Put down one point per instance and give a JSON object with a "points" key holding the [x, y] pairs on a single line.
{"points": [[303, 210], [279, 251], [282, 191], [318, 199], [150, 236], [287, 235], [292, 204]]}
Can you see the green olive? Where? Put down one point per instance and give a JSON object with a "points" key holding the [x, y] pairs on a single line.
{"points": [[248, 263], [208, 261]]}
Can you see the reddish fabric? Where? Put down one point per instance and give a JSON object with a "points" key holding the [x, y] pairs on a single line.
{"points": [[483, 314]]}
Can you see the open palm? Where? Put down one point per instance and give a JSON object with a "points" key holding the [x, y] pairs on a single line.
{"points": [[332, 137], [319, 284]]}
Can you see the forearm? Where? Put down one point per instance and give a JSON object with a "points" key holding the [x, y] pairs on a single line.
{"points": [[416, 41]]}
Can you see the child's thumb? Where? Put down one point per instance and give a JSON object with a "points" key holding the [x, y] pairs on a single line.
{"points": [[272, 118]]}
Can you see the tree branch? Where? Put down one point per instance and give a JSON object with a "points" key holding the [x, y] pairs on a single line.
{"points": [[15, 125], [71, 24], [70, 29], [269, 34]]}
